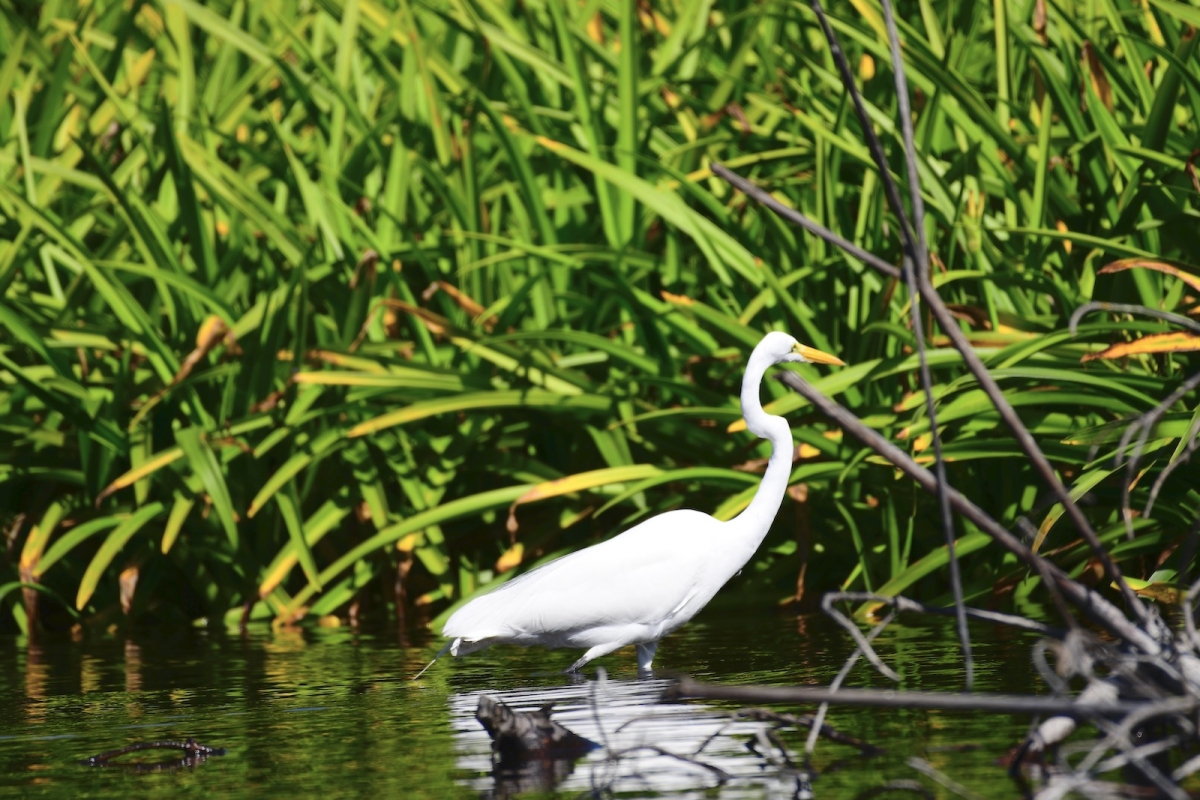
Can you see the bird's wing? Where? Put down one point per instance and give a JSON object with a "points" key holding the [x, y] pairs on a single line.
{"points": [[641, 576]]}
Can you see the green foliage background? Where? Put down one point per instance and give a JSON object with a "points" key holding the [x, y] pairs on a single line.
{"points": [[300, 298]]}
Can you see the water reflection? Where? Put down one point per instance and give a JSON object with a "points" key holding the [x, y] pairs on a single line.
{"points": [[133, 667], [530, 750], [36, 670], [629, 720], [306, 712]]}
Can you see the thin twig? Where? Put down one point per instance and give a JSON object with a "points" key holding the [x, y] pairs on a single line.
{"points": [[806, 721], [1126, 308], [721, 775], [1145, 423], [1119, 736], [920, 262], [1187, 554], [1060, 786], [860, 641], [1186, 768], [1055, 595], [796, 218], [767, 742], [1038, 656], [1189, 606], [811, 743], [1184, 457], [1029, 446], [1121, 760], [902, 603]]}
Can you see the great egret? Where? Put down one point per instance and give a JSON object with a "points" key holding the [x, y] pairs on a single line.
{"points": [[645, 583]]}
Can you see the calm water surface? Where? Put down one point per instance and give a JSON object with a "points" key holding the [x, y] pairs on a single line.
{"points": [[332, 711]]}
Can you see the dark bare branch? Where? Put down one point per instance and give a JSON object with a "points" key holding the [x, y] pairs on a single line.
{"points": [[1088, 601], [1126, 308], [950, 326], [811, 744], [889, 698], [796, 218]]}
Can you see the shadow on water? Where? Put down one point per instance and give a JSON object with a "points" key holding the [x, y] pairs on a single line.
{"points": [[332, 711]]}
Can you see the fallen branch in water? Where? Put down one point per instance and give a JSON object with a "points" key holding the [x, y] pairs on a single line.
{"points": [[686, 688], [194, 753], [721, 775], [806, 721]]}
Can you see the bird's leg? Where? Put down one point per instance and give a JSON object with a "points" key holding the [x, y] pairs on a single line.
{"points": [[451, 646], [645, 655], [594, 652]]}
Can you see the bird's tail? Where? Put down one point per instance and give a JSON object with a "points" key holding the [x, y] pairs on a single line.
{"points": [[450, 645]]}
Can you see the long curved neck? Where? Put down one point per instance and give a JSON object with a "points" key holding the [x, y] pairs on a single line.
{"points": [[753, 523]]}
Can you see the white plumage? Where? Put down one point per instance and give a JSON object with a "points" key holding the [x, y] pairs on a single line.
{"points": [[662, 577], [645, 583]]}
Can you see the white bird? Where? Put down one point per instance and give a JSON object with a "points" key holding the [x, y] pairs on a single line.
{"points": [[645, 583]]}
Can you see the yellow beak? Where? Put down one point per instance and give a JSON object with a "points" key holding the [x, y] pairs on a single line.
{"points": [[815, 356]]}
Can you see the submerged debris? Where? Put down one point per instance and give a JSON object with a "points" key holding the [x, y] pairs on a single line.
{"points": [[530, 751], [194, 753], [524, 735]]}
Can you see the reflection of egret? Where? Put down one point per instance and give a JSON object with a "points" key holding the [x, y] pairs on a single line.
{"points": [[636, 730], [645, 583]]}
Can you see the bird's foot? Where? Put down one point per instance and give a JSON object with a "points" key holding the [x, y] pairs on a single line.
{"points": [[593, 653], [645, 656]]}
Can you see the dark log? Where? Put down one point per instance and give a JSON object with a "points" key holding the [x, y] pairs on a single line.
{"points": [[940, 701]]}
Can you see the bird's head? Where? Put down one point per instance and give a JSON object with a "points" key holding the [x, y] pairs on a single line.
{"points": [[781, 347]]}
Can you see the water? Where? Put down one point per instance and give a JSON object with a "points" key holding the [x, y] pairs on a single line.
{"points": [[331, 712]]}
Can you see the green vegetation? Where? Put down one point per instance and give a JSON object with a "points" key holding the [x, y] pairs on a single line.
{"points": [[302, 302]]}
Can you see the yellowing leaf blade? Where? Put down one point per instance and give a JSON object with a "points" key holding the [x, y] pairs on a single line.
{"points": [[108, 551], [1173, 342]]}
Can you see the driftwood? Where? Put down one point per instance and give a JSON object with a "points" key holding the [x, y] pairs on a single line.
{"points": [[194, 753], [1027, 705]]}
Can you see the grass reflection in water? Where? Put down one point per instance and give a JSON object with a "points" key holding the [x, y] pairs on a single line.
{"points": [[332, 712]]}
